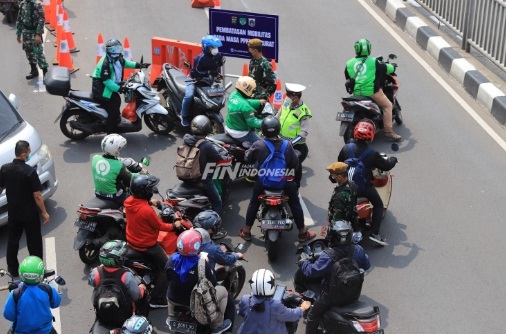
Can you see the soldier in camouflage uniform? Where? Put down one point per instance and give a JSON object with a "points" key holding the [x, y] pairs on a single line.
{"points": [[342, 205], [30, 24], [261, 70]]}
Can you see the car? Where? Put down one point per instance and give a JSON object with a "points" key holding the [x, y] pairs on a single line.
{"points": [[13, 128]]}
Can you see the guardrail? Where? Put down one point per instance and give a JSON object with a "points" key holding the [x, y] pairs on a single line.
{"points": [[480, 23]]}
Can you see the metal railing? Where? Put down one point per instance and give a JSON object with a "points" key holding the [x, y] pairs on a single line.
{"points": [[480, 23]]}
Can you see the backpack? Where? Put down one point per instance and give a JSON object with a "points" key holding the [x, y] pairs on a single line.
{"points": [[111, 300], [188, 161], [273, 176], [203, 302], [356, 168], [345, 279]]}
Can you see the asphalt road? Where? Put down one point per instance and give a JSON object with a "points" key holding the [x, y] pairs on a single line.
{"points": [[441, 272]]}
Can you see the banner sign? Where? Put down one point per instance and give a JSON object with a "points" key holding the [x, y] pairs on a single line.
{"points": [[235, 29]]}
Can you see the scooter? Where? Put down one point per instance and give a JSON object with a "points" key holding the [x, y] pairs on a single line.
{"points": [[82, 115], [10, 9], [231, 277], [209, 97], [356, 108]]}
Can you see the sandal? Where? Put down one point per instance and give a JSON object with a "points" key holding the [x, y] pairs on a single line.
{"points": [[245, 235], [307, 235], [219, 235]]}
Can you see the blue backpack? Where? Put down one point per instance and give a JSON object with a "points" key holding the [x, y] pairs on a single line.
{"points": [[356, 168], [273, 170]]}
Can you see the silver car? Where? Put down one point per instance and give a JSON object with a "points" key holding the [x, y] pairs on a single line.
{"points": [[13, 128]]}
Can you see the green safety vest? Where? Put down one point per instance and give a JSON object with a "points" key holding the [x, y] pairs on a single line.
{"points": [[364, 81], [105, 172], [290, 119]]}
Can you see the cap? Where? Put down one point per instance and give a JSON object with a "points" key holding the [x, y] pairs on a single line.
{"points": [[293, 87], [337, 168], [255, 42]]}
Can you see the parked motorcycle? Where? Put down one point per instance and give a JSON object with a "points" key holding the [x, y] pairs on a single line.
{"points": [[10, 9], [209, 97], [356, 108], [82, 115]]}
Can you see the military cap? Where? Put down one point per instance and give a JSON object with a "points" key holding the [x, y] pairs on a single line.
{"points": [[295, 88], [254, 42], [337, 168]]}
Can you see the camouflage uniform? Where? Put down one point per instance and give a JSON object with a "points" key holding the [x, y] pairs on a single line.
{"points": [[29, 24], [261, 71], [342, 205]]}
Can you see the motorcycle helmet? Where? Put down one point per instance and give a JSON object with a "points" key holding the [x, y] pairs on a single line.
{"points": [[189, 243], [210, 41], [270, 127], [137, 324], [113, 144], [114, 49], [364, 130], [263, 283], [201, 126], [206, 238], [208, 220], [362, 47], [142, 186], [112, 253], [31, 270], [246, 85], [339, 233]]}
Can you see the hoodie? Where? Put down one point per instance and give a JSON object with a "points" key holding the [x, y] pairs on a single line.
{"points": [[207, 153], [143, 224]]}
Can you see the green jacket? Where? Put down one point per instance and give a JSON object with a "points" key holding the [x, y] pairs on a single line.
{"points": [[103, 77], [241, 113], [31, 17], [371, 75]]}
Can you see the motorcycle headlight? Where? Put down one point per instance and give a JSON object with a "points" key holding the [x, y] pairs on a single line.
{"points": [[44, 155]]}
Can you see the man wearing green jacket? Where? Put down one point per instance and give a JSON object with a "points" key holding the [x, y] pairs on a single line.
{"points": [[241, 121]]}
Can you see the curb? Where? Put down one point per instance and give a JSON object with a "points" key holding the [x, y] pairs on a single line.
{"points": [[475, 83]]}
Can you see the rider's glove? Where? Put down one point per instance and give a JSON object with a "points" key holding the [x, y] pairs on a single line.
{"points": [[145, 65], [122, 89], [392, 160]]}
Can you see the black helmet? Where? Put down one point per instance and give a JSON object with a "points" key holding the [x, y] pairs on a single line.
{"points": [[340, 233], [113, 48], [271, 126], [112, 253], [142, 186], [137, 324], [208, 220], [201, 126]]}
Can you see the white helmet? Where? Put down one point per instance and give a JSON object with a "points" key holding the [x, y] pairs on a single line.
{"points": [[112, 144], [262, 283], [206, 238], [246, 85]]}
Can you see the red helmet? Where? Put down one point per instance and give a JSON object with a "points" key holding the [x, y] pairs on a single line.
{"points": [[364, 130], [189, 243]]}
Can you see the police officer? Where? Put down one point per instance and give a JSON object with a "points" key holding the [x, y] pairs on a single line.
{"points": [[342, 205], [261, 70], [30, 24], [294, 117]]}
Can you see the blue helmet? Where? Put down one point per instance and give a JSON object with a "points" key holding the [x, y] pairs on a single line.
{"points": [[210, 41]]}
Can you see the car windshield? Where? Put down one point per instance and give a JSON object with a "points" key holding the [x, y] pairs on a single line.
{"points": [[9, 117]]}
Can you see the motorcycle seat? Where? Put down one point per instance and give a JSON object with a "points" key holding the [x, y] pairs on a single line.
{"points": [[227, 139], [186, 190], [82, 95], [134, 255], [100, 203], [357, 309], [179, 79], [357, 98], [273, 192]]}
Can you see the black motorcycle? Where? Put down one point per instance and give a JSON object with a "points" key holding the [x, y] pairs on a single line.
{"points": [[10, 9], [231, 277]]}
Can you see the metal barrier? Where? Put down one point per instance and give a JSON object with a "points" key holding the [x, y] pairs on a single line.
{"points": [[480, 23]]}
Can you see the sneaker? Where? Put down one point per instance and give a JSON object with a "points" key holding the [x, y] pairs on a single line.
{"points": [[307, 235], [185, 122], [245, 235], [158, 303], [377, 239], [223, 328], [219, 235]]}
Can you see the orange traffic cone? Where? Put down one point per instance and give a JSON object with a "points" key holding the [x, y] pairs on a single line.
{"points": [[47, 10], [100, 48], [58, 23], [68, 33], [127, 54], [217, 4], [277, 98], [52, 17], [274, 67], [245, 70], [65, 58], [59, 35]]}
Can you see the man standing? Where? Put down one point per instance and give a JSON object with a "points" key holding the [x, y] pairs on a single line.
{"points": [[23, 196], [261, 70], [30, 24], [344, 198]]}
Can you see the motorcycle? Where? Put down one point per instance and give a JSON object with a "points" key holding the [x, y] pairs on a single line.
{"points": [[231, 277], [209, 97], [82, 115], [10, 9], [356, 108], [55, 282]]}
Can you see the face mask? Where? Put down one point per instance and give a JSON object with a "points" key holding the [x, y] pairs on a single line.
{"points": [[214, 51], [332, 179]]}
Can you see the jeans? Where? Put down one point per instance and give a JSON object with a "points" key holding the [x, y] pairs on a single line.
{"points": [[188, 99], [377, 212], [158, 257], [213, 195], [322, 304], [386, 107], [290, 190], [33, 241], [251, 137]]}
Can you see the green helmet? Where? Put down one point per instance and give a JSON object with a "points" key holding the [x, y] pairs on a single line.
{"points": [[362, 47], [31, 270], [112, 254]]}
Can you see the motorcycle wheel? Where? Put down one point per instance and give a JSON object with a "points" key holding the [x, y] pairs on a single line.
{"points": [[272, 250], [74, 114], [349, 133], [397, 114], [237, 282], [159, 124], [217, 127], [88, 255]]}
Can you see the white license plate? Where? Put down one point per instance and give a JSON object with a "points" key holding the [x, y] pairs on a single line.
{"points": [[273, 224], [215, 92], [84, 225], [345, 116], [182, 327]]}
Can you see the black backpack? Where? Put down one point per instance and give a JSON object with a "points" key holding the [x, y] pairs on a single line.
{"points": [[111, 300], [345, 279]]}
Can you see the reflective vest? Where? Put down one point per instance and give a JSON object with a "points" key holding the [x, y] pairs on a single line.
{"points": [[290, 119]]}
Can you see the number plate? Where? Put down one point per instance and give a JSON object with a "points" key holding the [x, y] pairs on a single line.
{"points": [[84, 225], [182, 327], [345, 116], [273, 224], [380, 331], [215, 91]]}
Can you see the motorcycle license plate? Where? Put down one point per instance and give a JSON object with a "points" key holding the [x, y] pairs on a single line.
{"points": [[182, 327], [379, 331], [345, 116], [215, 91], [276, 224], [84, 225]]}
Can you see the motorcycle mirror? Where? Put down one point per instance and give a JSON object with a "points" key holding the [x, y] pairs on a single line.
{"points": [[145, 161], [59, 280], [394, 147], [146, 279], [309, 295], [392, 56], [357, 237], [307, 249], [142, 59], [223, 60]]}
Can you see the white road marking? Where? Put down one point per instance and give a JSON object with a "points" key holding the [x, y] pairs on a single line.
{"points": [[308, 221], [436, 76], [50, 246]]}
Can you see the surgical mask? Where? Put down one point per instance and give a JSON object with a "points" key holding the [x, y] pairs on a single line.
{"points": [[214, 51], [332, 179]]}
